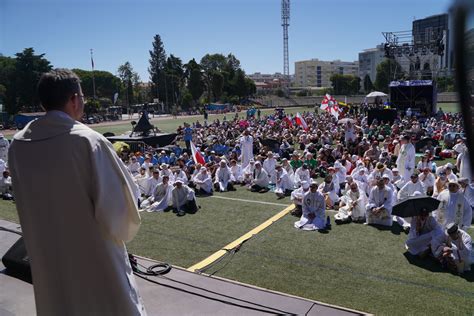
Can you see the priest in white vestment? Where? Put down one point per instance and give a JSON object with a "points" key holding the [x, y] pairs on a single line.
{"points": [[406, 158], [314, 211], [179, 173], [260, 179], [453, 208], [352, 205], [141, 180], [75, 226], [302, 174], [223, 177], [453, 248], [283, 183], [248, 171], [161, 197], [183, 199], [246, 146], [269, 166], [4, 145], [152, 182], [379, 209], [328, 190], [463, 164], [428, 181], [134, 166], [297, 198], [236, 172], [422, 229], [203, 182]]}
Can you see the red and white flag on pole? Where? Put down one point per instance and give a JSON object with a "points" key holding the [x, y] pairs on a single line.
{"points": [[300, 121], [330, 105], [197, 156]]}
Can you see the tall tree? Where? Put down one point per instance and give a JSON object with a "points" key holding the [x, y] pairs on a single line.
{"points": [[345, 84], [28, 70], [212, 64], [129, 79], [388, 70], [217, 84], [195, 84], [240, 87], [157, 64], [7, 81], [174, 73], [368, 85]]}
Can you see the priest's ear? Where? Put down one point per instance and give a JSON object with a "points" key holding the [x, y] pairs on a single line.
{"points": [[463, 19]]}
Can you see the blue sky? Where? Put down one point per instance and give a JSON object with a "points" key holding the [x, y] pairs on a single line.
{"points": [[123, 30]]}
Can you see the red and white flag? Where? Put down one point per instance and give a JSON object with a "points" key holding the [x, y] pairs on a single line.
{"points": [[330, 105], [288, 122], [197, 156], [300, 121]]}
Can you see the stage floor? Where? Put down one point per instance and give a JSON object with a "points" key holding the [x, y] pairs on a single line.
{"points": [[180, 293]]}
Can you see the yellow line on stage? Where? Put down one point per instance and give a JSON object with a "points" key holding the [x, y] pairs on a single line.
{"points": [[204, 263]]}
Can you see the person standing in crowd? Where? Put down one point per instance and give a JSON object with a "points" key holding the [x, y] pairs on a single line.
{"points": [[88, 207], [406, 158]]}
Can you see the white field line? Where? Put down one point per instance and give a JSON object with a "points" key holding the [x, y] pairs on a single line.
{"points": [[258, 202]]}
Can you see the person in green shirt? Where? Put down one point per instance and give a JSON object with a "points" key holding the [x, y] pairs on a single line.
{"points": [[295, 161], [311, 162]]}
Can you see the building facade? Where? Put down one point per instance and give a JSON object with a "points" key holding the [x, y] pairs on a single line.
{"points": [[317, 73], [369, 59]]}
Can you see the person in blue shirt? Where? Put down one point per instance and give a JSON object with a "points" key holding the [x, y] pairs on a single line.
{"points": [[163, 158], [188, 136]]}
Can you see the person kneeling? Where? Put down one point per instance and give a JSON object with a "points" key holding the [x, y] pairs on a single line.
{"points": [[453, 248], [314, 209], [352, 205], [379, 209], [260, 179]]}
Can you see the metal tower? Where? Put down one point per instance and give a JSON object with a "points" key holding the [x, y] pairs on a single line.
{"points": [[285, 22]]}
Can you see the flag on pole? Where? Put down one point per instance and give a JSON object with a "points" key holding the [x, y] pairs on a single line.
{"points": [[330, 105], [92, 61], [197, 156], [300, 121]]}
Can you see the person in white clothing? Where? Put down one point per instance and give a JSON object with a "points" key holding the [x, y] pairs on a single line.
{"points": [[152, 182], [248, 172], [462, 162], [406, 158], [313, 217], [379, 208], [203, 182], [236, 172], [302, 174], [246, 146], [183, 199], [352, 205], [260, 179], [4, 145], [134, 166], [269, 166], [297, 198], [76, 226], [468, 190], [223, 177], [422, 229], [161, 197], [428, 181], [453, 208], [283, 183], [448, 168], [328, 190], [5, 183], [410, 188], [179, 173], [453, 249]]}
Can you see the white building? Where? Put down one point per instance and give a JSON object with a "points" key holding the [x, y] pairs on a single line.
{"points": [[317, 73], [369, 59]]}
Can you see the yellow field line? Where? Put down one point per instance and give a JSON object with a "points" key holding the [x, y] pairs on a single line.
{"points": [[235, 243]]}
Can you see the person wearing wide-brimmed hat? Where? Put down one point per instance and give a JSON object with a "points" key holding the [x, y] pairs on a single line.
{"points": [[454, 208], [452, 247]]}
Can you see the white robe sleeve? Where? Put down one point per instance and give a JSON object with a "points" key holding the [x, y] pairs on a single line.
{"points": [[113, 197]]}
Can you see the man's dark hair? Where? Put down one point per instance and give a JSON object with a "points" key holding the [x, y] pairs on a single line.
{"points": [[56, 87]]}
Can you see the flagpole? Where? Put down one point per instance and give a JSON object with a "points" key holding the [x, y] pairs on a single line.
{"points": [[93, 77]]}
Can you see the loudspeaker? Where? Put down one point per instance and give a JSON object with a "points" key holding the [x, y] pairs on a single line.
{"points": [[17, 262]]}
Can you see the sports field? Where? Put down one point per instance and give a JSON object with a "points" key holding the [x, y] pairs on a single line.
{"points": [[353, 265]]}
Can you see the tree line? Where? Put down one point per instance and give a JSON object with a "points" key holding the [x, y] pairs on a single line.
{"points": [[178, 86]]}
